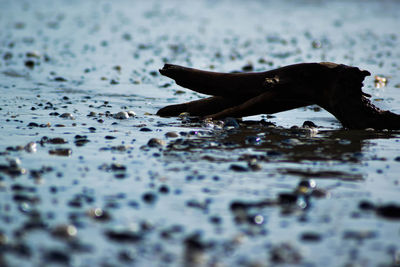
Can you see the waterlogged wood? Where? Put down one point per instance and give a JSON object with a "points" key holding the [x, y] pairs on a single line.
{"points": [[334, 87]]}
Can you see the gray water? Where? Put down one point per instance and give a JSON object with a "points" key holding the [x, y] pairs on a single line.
{"points": [[212, 195]]}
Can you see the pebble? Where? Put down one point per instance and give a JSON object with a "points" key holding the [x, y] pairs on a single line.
{"points": [[99, 214], [57, 140], [123, 235], [57, 256], [149, 197], [155, 142], [131, 113], [145, 129], [122, 115], [64, 231], [309, 124], [172, 134], [61, 152], [33, 124], [311, 237], [67, 115], [81, 140], [238, 168], [389, 211]]}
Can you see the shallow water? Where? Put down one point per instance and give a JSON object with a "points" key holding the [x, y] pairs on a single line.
{"points": [[80, 187]]}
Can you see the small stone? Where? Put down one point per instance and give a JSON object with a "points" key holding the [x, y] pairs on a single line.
{"points": [[33, 124], [57, 256], [31, 147], [149, 197], [56, 140], [68, 116], [131, 113], [99, 214], [389, 211], [60, 79], [61, 152], [145, 129], [64, 231], [366, 205], [164, 189], [248, 67], [287, 198], [155, 142], [172, 134], [122, 115], [124, 235], [310, 237], [30, 64], [238, 168], [309, 124], [14, 162]]}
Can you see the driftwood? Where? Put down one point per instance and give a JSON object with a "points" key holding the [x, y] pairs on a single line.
{"points": [[334, 87]]}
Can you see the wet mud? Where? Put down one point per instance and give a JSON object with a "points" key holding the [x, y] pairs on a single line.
{"points": [[90, 176]]}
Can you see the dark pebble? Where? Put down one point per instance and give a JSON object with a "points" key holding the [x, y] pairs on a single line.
{"points": [[145, 129], [215, 220], [67, 115], [287, 198], [309, 124], [109, 137], [155, 142], [123, 235], [238, 168], [57, 256], [310, 237], [60, 79], [61, 152], [118, 167], [389, 211], [164, 189], [248, 67], [149, 197], [239, 205], [56, 140], [366, 205], [33, 124], [30, 64]]}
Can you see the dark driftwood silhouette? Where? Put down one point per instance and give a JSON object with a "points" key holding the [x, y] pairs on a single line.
{"points": [[334, 87]]}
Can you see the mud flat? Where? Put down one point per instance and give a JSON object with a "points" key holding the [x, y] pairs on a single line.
{"points": [[90, 176]]}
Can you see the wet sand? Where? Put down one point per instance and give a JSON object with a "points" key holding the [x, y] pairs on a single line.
{"points": [[89, 176]]}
